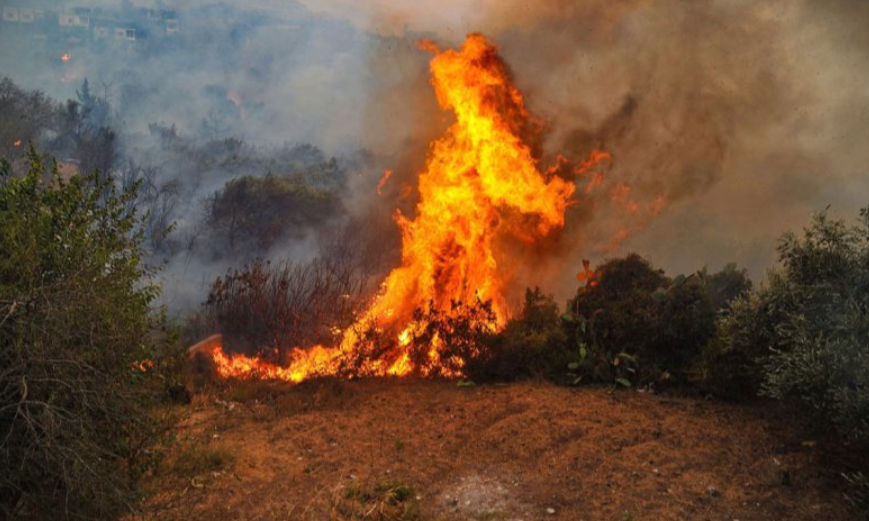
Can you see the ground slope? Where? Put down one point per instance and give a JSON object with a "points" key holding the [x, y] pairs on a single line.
{"points": [[522, 451]]}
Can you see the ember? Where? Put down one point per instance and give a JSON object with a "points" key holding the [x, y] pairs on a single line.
{"points": [[383, 180]]}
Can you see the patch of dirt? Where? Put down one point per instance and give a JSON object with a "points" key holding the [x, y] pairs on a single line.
{"points": [[483, 497], [523, 451]]}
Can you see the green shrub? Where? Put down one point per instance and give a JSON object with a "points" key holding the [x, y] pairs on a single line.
{"points": [[725, 286], [729, 365], [79, 345], [632, 324], [685, 323], [534, 344], [807, 330]]}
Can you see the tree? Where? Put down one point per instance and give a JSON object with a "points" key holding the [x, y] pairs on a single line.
{"points": [[814, 319], [77, 340], [254, 213], [27, 117], [532, 344], [95, 110], [634, 323]]}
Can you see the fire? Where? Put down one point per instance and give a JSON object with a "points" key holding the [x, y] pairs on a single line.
{"points": [[480, 184], [597, 156], [17, 143], [587, 275], [144, 365], [383, 180]]}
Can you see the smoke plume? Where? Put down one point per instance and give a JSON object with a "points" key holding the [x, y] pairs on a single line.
{"points": [[728, 122]]}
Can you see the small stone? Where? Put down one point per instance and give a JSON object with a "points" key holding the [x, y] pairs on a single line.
{"points": [[550, 511], [712, 491]]}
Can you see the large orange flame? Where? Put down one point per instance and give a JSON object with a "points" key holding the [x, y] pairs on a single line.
{"points": [[480, 183]]}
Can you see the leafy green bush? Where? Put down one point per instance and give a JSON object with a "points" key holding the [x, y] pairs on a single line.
{"points": [[818, 328], [79, 345], [632, 324], [804, 336], [731, 364], [725, 286], [531, 345]]}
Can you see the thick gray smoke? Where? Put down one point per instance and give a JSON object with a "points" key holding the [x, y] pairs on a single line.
{"points": [[729, 121], [238, 90]]}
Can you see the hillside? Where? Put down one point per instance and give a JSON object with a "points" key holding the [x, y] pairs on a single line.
{"points": [[409, 449]]}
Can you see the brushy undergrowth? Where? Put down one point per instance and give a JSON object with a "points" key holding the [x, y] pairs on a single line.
{"points": [[83, 356]]}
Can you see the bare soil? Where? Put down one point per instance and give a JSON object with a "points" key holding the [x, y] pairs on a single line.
{"points": [[524, 451]]}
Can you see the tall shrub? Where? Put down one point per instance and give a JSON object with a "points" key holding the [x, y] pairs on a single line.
{"points": [[77, 339]]}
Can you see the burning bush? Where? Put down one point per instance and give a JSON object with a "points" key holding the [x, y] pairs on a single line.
{"points": [[446, 340], [275, 308], [481, 185], [78, 347]]}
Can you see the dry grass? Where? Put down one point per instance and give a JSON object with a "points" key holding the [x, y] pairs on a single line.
{"points": [[383, 450], [200, 458]]}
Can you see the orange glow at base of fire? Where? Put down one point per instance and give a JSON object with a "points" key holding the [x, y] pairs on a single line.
{"points": [[480, 183]]}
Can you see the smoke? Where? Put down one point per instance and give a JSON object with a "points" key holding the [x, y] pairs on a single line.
{"points": [[729, 121]]}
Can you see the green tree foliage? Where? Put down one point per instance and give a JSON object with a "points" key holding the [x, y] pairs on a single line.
{"points": [[633, 324], [80, 130], [27, 117], [75, 325], [532, 345], [726, 285], [806, 333], [256, 212]]}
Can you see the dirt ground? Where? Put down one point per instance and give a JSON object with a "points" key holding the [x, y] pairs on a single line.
{"points": [[523, 451]]}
